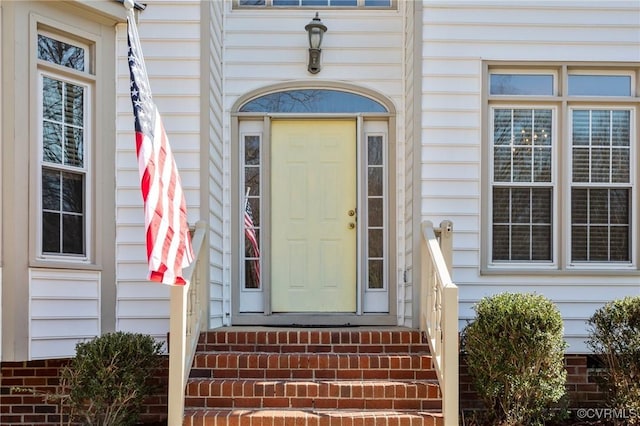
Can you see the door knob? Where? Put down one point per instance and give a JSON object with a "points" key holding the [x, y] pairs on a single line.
{"points": [[351, 212], [352, 225]]}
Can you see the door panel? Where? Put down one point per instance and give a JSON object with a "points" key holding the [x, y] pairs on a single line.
{"points": [[313, 187]]}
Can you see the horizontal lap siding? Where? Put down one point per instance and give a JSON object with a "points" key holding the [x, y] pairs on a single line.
{"points": [[64, 308], [457, 37], [170, 40]]}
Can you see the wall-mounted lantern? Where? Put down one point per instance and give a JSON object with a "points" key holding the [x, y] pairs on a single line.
{"points": [[316, 30]]}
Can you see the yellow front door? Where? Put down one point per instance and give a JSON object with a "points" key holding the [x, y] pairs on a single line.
{"points": [[313, 235]]}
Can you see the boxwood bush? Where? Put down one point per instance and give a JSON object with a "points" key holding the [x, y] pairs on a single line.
{"points": [[109, 378], [615, 337], [515, 355]]}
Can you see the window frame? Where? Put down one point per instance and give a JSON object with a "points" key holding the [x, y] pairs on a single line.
{"points": [[87, 80], [562, 105]]}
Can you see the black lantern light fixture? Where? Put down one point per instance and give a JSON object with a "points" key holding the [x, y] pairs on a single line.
{"points": [[316, 30]]}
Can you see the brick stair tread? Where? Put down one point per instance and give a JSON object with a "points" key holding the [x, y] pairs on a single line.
{"points": [[395, 340], [296, 417], [241, 365], [369, 395]]}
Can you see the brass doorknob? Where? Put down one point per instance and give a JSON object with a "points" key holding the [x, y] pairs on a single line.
{"points": [[351, 212], [352, 225]]}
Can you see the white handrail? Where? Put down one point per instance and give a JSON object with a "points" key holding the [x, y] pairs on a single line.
{"points": [[439, 312], [188, 316]]}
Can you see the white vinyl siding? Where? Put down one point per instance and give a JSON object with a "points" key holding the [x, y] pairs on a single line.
{"points": [[64, 308], [457, 38], [170, 39], [219, 296]]}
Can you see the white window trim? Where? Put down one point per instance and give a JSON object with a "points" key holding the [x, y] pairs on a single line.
{"points": [[563, 104], [587, 265], [506, 265], [87, 169]]}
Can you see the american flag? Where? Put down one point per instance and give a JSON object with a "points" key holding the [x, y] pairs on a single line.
{"points": [[250, 232], [165, 213]]}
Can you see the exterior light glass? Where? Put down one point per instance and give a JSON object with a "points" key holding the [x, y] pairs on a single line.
{"points": [[315, 29]]}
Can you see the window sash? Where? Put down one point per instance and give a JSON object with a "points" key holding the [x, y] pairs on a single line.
{"points": [[63, 173]]}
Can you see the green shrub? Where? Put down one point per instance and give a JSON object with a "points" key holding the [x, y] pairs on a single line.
{"points": [[515, 355], [109, 378], [615, 337]]}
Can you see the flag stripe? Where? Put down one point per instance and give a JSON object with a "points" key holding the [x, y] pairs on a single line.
{"points": [[167, 232]]}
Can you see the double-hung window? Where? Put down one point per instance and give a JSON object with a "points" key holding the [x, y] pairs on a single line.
{"points": [[561, 167], [64, 96]]}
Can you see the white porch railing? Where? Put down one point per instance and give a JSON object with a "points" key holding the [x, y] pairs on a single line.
{"points": [[188, 316], [439, 312]]}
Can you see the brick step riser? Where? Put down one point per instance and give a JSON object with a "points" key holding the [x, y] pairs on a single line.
{"points": [[280, 418], [314, 341], [316, 348], [314, 403], [327, 395]]}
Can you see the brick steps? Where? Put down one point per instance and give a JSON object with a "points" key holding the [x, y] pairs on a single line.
{"points": [[339, 394], [313, 366], [249, 417], [312, 377]]}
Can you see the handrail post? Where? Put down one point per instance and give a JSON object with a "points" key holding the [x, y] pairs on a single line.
{"points": [[177, 353], [446, 243]]}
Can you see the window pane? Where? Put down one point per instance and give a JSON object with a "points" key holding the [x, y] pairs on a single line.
{"points": [[51, 190], [522, 165], [374, 150], [520, 205], [620, 128], [620, 206], [286, 2], [315, 2], [344, 3], [598, 244], [374, 181], [541, 243], [581, 125], [600, 127], [501, 242], [541, 205], [620, 244], [50, 232], [376, 243], [252, 150], [73, 235], [74, 104], [620, 163], [51, 99], [376, 274], [542, 164], [251, 2], [377, 3], [52, 142], [312, 100], [375, 212], [72, 192], [502, 119], [501, 205], [598, 206], [252, 180], [542, 134], [522, 126], [521, 84], [502, 164], [252, 273], [580, 164], [599, 85], [254, 206], [520, 242], [579, 205], [600, 165], [579, 243], [60, 53], [74, 151], [252, 249]]}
